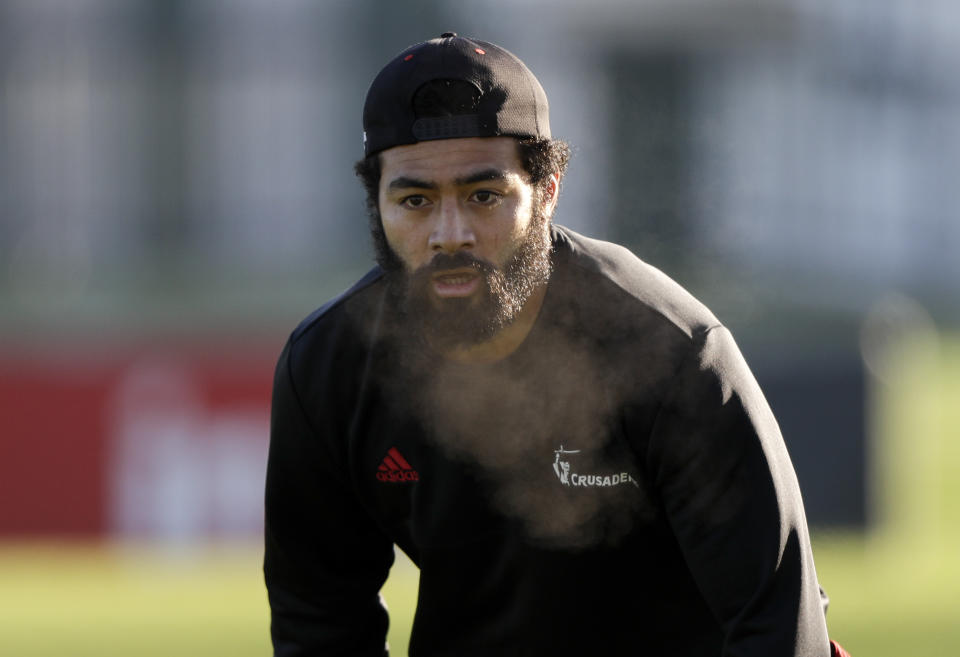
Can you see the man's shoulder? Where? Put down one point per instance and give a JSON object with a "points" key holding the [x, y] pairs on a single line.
{"points": [[343, 310], [612, 279]]}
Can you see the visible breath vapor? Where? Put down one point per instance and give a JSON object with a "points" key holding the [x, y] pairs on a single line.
{"points": [[508, 420], [511, 423]]}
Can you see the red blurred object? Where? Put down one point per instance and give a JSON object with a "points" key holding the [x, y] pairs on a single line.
{"points": [[58, 417], [52, 442], [836, 650]]}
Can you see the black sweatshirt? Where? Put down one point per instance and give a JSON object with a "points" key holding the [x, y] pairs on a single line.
{"points": [[617, 486]]}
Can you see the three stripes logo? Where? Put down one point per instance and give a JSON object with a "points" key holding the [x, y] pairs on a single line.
{"points": [[395, 468]]}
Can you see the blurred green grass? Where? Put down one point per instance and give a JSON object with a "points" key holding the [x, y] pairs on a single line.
{"points": [[86, 600], [893, 590]]}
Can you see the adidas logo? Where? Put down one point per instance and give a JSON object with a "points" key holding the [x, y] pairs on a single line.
{"points": [[396, 468]]}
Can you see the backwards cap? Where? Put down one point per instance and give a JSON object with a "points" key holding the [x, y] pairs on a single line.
{"points": [[509, 99]]}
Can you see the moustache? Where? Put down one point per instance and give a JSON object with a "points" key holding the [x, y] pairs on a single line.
{"points": [[459, 260]]}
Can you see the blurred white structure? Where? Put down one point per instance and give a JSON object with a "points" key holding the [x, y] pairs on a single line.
{"points": [[181, 470], [214, 139]]}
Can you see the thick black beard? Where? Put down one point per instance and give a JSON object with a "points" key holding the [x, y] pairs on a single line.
{"points": [[455, 323]]}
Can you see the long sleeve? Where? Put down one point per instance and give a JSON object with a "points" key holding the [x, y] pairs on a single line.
{"points": [[325, 559], [732, 499]]}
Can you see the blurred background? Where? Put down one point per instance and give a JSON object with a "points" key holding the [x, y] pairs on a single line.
{"points": [[176, 193]]}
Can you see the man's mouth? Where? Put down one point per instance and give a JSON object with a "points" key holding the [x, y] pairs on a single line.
{"points": [[456, 283]]}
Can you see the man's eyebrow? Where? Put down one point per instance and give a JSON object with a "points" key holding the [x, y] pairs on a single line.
{"points": [[487, 175], [404, 182]]}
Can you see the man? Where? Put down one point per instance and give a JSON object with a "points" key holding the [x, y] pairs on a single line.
{"points": [[567, 444]]}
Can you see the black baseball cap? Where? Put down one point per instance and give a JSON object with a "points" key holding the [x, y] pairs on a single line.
{"points": [[509, 99]]}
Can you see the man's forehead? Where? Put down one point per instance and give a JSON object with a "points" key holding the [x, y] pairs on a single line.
{"points": [[453, 159]]}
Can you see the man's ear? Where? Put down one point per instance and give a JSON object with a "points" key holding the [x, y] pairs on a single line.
{"points": [[551, 193]]}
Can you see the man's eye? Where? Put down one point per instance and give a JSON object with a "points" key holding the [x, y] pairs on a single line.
{"points": [[414, 202], [486, 197]]}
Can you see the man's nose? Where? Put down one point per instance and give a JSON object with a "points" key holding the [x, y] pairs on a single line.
{"points": [[453, 230]]}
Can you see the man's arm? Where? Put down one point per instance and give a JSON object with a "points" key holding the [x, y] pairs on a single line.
{"points": [[325, 560], [732, 498]]}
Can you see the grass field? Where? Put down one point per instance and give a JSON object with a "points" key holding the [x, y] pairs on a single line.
{"points": [[894, 590], [96, 601]]}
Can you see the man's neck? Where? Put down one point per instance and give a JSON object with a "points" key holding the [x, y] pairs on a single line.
{"points": [[508, 339]]}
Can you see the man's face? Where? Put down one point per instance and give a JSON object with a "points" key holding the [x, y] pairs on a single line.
{"points": [[469, 230]]}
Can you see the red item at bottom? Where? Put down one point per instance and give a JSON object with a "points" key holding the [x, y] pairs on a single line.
{"points": [[836, 650]]}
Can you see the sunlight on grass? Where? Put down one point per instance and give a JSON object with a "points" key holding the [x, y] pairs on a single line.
{"points": [[894, 589], [81, 600]]}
